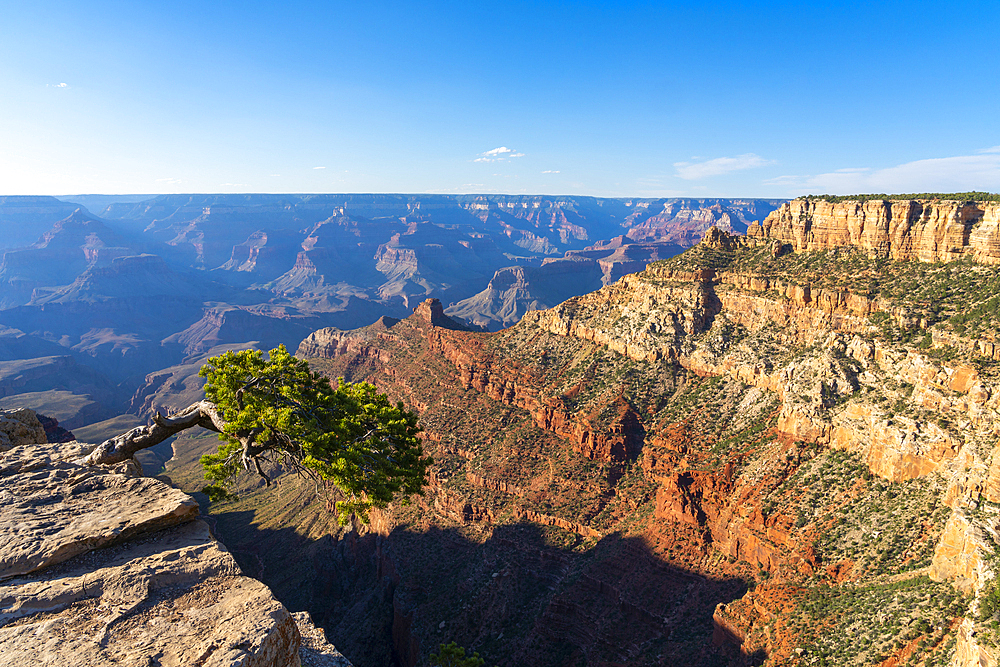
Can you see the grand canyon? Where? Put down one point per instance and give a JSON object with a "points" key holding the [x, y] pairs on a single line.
{"points": [[704, 432]]}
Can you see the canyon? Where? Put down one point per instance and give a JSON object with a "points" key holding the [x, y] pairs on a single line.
{"points": [[801, 440], [773, 448], [135, 288]]}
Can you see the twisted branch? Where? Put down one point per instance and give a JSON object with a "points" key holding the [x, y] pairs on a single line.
{"points": [[123, 447]]}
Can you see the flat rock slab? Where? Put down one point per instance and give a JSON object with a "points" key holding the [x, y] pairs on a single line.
{"points": [[175, 597], [52, 509], [102, 566]]}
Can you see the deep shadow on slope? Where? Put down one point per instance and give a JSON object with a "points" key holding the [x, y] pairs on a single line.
{"points": [[522, 595]]}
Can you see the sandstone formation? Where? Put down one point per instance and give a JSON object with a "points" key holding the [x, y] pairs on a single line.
{"points": [[515, 290], [685, 221], [927, 231], [102, 566], [26, 218], [19, 427], [739, 412]]}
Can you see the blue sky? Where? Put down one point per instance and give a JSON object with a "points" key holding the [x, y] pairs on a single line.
{"points": [[748, 99]]}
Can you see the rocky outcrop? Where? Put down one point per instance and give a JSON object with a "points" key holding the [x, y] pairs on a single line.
{"points": [[971, 653], [515, 290], [685, 221], [19, 427], [924, 230], [736, 391], [53, 431], [698, 318], [959, 555], [315, 650], [101, 566], [331, 342], [54, 509]]}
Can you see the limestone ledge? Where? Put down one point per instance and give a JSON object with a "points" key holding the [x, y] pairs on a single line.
{"points": [[102, 566], [688, 322]]}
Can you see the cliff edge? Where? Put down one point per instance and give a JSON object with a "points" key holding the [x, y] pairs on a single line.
{"points": [[102, 566], [905, 230]]}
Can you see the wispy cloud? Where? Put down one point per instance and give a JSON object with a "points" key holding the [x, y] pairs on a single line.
{"points": [[551, 171], [57, 85], [498, 155], [691, 171], [169, 181], [467, 188], [319, 167], [234, 185], [960, 173]]}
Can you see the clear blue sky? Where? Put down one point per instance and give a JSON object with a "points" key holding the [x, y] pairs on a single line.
{"points": [[610, 99]]}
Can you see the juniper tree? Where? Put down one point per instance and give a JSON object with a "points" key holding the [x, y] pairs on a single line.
{"points": [[275, 415]]}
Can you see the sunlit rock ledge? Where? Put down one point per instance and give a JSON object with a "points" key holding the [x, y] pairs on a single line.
{"points": [[102, 566]]}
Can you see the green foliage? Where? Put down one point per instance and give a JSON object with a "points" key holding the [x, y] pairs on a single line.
{"points": [[281, 414], [954, 196], [989, 598], [989, 603], [453, 655]]}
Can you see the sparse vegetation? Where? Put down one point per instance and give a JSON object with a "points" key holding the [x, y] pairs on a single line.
{"points": [[953, 196]]}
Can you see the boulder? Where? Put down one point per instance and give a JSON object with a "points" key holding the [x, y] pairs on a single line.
{"points": [[19, 427]]}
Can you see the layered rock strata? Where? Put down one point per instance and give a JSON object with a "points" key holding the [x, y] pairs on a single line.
{"points": [[924, 230], [912, 419]]}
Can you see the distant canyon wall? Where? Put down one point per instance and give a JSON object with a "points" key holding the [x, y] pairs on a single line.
{"points": [[924, 230]]}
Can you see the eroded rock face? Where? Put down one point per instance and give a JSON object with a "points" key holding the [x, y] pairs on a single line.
{"points": [[805, 367], [19, 427], [904, 230], [103, 566]]}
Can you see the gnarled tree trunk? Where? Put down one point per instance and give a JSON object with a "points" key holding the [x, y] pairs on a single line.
{"points": [[123, 447]]}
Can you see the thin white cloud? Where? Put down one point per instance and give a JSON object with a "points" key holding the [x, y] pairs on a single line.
{"points": [[498, 155], [691, 171], [551, 171], [319, 167], [962, 173], [234, 185], [171, 181], [57, 85], [463, 189], [994, 149]]}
